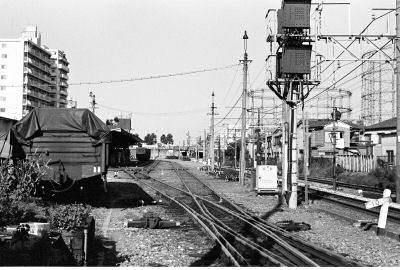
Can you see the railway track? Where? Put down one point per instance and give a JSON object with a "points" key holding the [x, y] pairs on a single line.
{"points": [[243, 239], [355, 203], [329, 181]]}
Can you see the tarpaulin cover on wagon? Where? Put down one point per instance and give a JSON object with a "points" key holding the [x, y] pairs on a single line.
{"points": [[5, 126], [59, 119]]}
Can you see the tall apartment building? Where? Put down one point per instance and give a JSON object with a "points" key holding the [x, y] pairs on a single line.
{"points": [[59, 78], [31, 75]]}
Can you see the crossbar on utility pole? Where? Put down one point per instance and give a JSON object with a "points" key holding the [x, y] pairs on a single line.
{"points": [[245, 61]]}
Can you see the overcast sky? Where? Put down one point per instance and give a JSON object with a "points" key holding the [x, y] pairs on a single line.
{"points": [[121, 39]]}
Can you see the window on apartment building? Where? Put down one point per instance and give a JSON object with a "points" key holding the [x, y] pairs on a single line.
{"points": [[379, 138], [3, 77], [2, 98], [4, 55], [4, 45], [2, 109], [2, 88], [3, 67]]}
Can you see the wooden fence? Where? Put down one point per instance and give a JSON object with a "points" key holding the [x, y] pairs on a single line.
{"points": [[357, 163]]}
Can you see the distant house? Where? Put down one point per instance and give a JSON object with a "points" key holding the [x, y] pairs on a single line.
{"points": [[321, 139], [382, 139]]}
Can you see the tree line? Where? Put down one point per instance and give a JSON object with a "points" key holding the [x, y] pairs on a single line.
{"points": [[151, 138]]}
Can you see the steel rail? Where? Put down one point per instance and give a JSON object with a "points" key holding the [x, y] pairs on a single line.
{"points": [[244, 241], [228, 245], [233, 233], [308, 261], [298, 258], [393, 215], [194, 216], [321, 253], [263, 231], [300, 243], [329, 181], [254, 246]]}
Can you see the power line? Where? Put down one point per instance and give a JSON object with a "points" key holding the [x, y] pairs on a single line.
{"points": [[140, 78], [200, 110]]}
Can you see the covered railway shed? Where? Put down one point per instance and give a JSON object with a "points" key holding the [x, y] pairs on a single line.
{"points": [[119, 147]]}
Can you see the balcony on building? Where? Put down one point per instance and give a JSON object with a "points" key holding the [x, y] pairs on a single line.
{"points": [[53, 72], [63, 67], [31, 83], [63, 92], [63, 84], [38, 53], [37, 75], [32, 93], [37, 104], [64, 76], [36, 64]]}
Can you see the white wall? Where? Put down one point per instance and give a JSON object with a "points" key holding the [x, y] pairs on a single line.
{"points": [[14, 82]]}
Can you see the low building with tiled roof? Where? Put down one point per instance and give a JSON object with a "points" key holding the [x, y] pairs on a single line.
{"points": [[382, 139], [321, 144]]}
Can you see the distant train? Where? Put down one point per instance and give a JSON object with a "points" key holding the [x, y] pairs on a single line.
{"points": [[143, 154]]}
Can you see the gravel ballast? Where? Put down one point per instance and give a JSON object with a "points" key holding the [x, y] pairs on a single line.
{"points": [[327, 231], [186, 245], [179, 246]]}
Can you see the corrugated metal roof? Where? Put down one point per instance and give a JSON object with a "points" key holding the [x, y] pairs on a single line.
{"points": [[387, 124]]}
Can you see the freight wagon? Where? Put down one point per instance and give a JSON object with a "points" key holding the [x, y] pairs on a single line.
{"points": [[74, 141]]}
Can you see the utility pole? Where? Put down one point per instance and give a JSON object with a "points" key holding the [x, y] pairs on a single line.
{"points": [[205, 146], [285, 139], [188, 138], [305, 155], [251, 141], [397, 70], [292, 146], [225, 146], [219, 152], [212, 132], [334, 148], [234, 138], [244, 111], [92, 101], [258, 152]]}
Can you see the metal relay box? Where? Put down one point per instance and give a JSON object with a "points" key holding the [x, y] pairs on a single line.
{"points": [[296, 60], [296, 14], [267, 179]]}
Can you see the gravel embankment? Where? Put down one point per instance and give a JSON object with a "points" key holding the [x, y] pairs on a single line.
{"points": [[326, 230]]}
